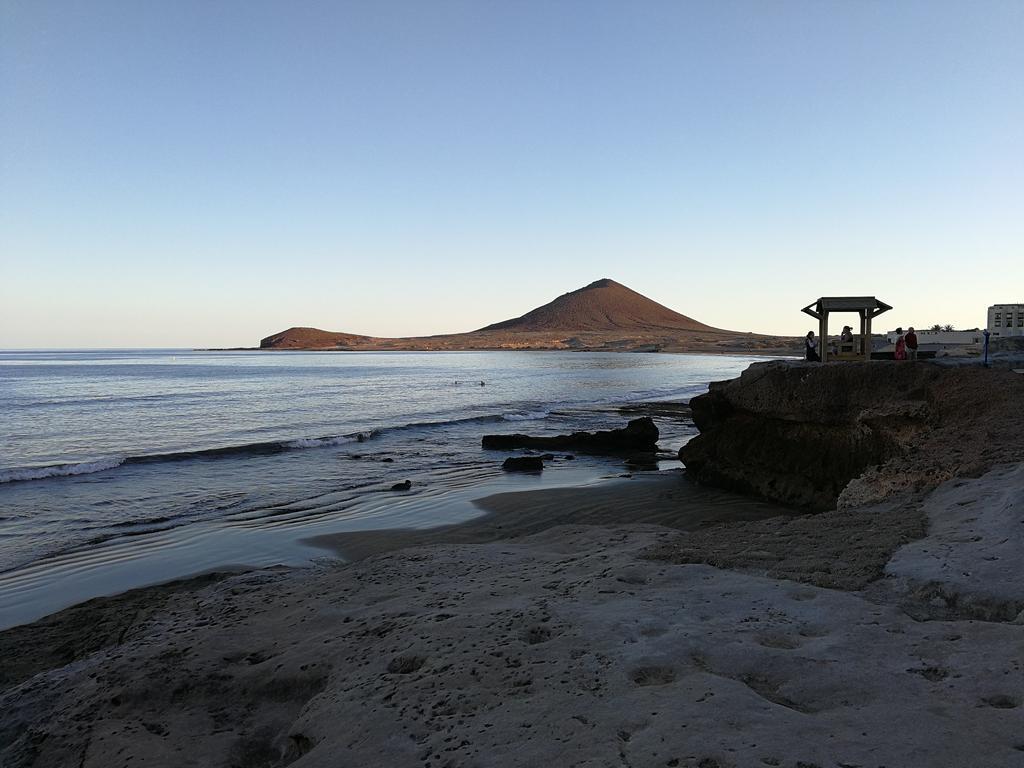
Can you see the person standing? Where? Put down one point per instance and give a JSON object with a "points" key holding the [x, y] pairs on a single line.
{"points": [[811, 349], [911, 341], [901, 345]]}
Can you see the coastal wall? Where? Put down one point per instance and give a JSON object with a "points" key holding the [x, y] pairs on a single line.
{"points": [[818, 436]]}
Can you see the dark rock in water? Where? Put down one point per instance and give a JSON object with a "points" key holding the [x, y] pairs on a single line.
{"points": [[523, 464], [639, 435], [547, 457], [387, 460], [569, 457], [403, 486]]}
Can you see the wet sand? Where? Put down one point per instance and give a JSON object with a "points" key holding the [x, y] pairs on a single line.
{"points": [[667, 498]]}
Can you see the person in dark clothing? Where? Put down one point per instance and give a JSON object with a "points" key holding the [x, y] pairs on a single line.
{"points": [[911, 341], [811, 348]]}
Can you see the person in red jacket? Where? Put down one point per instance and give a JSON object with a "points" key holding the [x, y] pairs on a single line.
{"points": [[911, 342], [900, 353]]}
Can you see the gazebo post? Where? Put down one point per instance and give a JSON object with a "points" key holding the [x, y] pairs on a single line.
{"points": [[823, 335], [863, 328], [867, 338]]}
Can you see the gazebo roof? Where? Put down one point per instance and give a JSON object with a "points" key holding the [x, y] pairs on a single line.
{"points": [[868, 305]]}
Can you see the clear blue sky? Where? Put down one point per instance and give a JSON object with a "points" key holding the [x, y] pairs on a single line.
{"points": [[206, 173]]}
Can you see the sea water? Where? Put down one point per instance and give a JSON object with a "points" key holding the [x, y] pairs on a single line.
{"points": [[129, 467]]}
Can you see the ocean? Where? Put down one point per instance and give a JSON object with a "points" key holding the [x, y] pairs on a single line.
{"points": [[130, 467]]}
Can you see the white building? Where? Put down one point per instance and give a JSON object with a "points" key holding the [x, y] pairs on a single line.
{"points": [[1006, 320]]}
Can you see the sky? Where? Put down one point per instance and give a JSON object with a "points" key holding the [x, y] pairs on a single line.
{"points": [[194, 174]]}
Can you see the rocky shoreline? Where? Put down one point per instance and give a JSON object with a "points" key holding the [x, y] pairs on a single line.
{"points": [[630, 624], [817, 436]]}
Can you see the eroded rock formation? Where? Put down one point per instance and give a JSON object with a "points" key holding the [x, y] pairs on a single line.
{"points": [[814, 436]]}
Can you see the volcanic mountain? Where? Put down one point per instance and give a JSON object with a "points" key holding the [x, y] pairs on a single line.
{"points": [[604, 315], [311, 338], [602, 306]]}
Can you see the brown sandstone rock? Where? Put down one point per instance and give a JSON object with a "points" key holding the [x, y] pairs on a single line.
{"points": [[800, 433]]}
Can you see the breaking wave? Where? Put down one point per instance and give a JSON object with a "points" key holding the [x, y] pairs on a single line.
{"points": [[20, 474], [528, 416], [58, 470], [323, 442]]}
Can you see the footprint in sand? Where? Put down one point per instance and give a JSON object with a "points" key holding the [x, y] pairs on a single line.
{"points": [[403, 665], [1001, 701], [645, 676], [538, 634], [934, 674], [803, 595], [783, 642], [808, 631], [653, 630]]}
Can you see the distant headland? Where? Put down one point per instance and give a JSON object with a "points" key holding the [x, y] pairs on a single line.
{"points": [[602, 316]]}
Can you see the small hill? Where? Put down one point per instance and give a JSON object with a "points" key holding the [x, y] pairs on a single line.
{"points": [[604, 315], [312, 338], [602, 306]]}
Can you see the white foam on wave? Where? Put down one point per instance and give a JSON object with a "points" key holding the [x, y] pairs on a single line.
{"points": [[528, 416], [321, 442], [58, 470]]}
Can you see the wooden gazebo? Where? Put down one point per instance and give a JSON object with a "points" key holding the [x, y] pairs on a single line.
{"points": [[867, 307]]}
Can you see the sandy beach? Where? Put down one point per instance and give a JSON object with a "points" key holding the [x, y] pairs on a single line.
{"points": [[579, 645], [668, 499], [640, 622]]}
